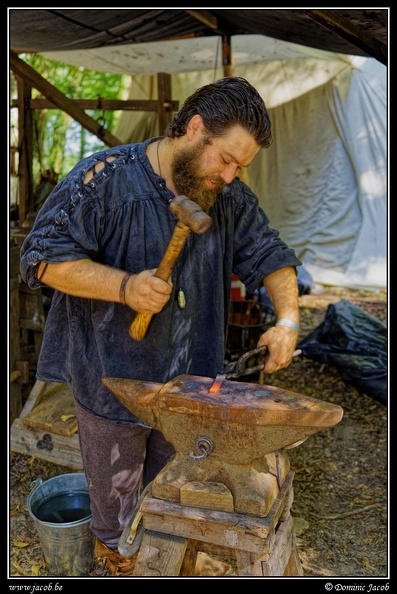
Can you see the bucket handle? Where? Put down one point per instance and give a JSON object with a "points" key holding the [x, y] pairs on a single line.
{"points": [[36, 484]]}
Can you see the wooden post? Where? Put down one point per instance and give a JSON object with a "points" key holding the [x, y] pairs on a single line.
{"points": [[25, 149], [164, 110], [15, 397], [227, 56]]}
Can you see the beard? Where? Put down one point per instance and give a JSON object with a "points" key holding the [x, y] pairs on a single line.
{"points": [[186, 180]]}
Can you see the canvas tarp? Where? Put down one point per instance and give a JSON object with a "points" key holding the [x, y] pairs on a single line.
{"points": [[323, 182]]}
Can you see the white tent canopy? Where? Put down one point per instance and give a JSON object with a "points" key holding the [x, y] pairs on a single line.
{"points": [[323, 183]]}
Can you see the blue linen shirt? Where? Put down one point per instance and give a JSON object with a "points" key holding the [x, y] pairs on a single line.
{"points": [[121, 218]]}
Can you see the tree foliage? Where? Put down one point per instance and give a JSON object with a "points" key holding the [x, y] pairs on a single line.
{"points": [[59, 141]]}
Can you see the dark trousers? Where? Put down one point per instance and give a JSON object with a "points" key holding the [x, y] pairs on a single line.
{"points": [[118, 461]]}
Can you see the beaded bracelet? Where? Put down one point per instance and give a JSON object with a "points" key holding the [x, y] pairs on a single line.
{"points": [[123, 285], [288, 323]]}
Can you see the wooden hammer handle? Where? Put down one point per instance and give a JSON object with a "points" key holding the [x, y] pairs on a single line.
{"points": [[141, 321]]}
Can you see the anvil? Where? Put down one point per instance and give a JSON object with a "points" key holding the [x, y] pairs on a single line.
{"points": [[232, 437]]}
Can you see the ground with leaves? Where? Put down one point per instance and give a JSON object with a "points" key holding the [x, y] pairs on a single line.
{"points": [[340, 507]]}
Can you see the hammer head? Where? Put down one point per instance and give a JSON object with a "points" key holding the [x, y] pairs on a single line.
{"points": [[190, 214]]}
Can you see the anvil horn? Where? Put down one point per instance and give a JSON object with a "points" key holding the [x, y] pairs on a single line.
{"points": [[139, 397]]}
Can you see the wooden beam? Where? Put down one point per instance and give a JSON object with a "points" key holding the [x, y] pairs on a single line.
{"points": [[104, 104], [23, 70], [342, 27], [204, 17]]}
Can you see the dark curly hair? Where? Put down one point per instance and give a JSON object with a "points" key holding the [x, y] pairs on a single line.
{"points": [[228, 102]]}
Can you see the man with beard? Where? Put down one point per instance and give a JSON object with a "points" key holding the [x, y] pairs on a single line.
{"points": [[97, 241]]}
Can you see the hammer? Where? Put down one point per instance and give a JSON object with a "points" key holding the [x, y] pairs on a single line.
{"points": [[190, 218]]}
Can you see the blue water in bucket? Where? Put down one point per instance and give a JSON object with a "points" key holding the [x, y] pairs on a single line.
{"points": [[60, 508]]}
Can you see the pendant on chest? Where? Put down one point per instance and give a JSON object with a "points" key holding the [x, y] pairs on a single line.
{"points": [[181, 299]]}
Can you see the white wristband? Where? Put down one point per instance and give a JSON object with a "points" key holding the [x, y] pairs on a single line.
{"points": [[288, 323]]}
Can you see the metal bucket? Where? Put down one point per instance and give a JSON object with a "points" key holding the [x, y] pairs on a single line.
{"points": [[61, 510]]}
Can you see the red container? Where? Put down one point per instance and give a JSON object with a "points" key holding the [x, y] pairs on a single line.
{"points": [[238, 291]]}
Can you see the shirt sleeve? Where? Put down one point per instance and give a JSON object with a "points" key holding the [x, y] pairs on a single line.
{"points": [[258, 248], [66, 228]]}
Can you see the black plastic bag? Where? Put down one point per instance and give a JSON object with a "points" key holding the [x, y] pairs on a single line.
{"points": [[355, 343]]}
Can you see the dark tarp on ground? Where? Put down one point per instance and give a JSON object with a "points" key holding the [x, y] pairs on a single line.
{"points": [[355, 343]]}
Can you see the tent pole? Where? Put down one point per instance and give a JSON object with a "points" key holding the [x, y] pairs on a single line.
{"points": [[227, 56]]}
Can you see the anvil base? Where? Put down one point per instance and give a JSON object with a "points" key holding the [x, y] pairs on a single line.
{"points": [[173, 534], [253, 488]]}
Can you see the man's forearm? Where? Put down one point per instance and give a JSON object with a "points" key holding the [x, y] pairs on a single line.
{"points": [[83, 278], [282, 288], [142, 292]]}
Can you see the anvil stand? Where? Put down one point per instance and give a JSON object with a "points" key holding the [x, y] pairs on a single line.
{"points": [[173, 533], [228, 489]]}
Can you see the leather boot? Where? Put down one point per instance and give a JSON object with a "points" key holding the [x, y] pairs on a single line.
{"points": [[110, 562]]}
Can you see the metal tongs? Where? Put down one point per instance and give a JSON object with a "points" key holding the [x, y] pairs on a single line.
{"points": [[238, 368]]}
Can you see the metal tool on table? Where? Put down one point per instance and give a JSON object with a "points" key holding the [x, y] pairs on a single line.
{"points": [[238, 368], [190, 218]]}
